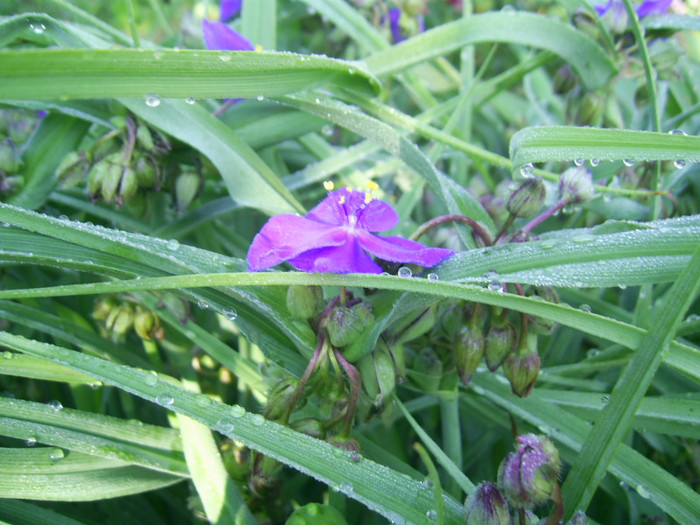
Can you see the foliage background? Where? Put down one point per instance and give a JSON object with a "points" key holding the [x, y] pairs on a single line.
{"points": [[153, 429]]}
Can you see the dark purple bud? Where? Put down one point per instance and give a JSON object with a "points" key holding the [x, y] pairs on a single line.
{"points": [[487, 506], [529, 475], [576, 185], [527, 200]]}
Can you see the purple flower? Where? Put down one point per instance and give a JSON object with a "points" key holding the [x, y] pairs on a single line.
{"points": [[394, 17], [648, 7], [218, 35], [335, 237], [400, 33], [229, 8]]}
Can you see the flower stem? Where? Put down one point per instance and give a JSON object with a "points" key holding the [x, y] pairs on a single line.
{"points": [[504, 228], [294, 399], [479, 230], [355, 384], [543, 216]]}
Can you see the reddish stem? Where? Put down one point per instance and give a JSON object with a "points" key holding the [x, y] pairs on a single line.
{"points": [[479, 230]]}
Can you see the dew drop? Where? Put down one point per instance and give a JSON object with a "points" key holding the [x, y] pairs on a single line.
{"points": [[7, 354], [230, 314], [260, 98], [225, 58], [527, 170], [678, 132], [405, 271], [592, 353], [327, 130], [628, 163], [56, 454], [679, 164], [30, 442], [496, 286], [56, 406], [355, 456], [151, 378], [585, 308], [346, 488], [605, 400], [257, 419], [152, 101], [584, 238], [385, 274], [202, 400], [351, 71], [173, 244], [433, 277], [318, 101], [643, 492], [594, 162], [164, 400], [579, 162], [431, 515], [223, 427], [202, 304], [190, 100], [37, 29], [548, 244], [237, 411]]}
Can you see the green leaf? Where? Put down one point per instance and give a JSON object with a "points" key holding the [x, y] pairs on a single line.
{"points": [[23, 513], [606, 436], [374, 485], [54, 475], [574, 47], [41, 74], [562, 143]]}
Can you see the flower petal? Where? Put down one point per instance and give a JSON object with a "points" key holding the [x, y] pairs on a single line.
{"points": [[653, 7], [340, 205], [346, 258], [229, 8], [284, 237], [218, 35], [397, 249]]}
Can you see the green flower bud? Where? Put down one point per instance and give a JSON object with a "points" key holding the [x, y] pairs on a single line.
{"points": [[96, 175], [72, 168], [316, 514], [427, 370], [523, 367], [587, 23], [144, 138], [500, 341], [527, 200], [309, 426], [386, 373], [146, 324], [103, 307], [529, 475], [576, 185], [128, 186], [236, 460], [9, 161], [370, 382], [112, 176], [303, 302], [346, 325], [589, 110], [413, 328], [187, 186], [121, 319], [146, 174], [564, 80], [176, 306], [468, 352], [487, 506], [413, 7], [278, 398]]}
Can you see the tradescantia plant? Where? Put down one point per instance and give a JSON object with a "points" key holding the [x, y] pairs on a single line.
{"points": [[349, 262]]}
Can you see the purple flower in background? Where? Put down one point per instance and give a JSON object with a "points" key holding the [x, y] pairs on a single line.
{"points": [[219, 36], [648, 7], [229, 8], [336, 237], [398, 32]]}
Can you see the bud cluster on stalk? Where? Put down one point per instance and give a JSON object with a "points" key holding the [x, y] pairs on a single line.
{"points": [[527, 479], [119, 317]]}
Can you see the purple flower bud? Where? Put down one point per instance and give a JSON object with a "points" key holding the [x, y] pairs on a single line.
{"points": [[487, 506], [527, 200], [529, 475], [576, 185]]}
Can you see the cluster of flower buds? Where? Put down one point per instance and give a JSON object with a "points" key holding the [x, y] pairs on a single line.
{"points": [[527, 478], [119, 317]]}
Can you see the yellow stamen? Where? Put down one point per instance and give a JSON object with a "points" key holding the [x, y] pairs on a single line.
{"points": [[342, 200], [258, 47], [372, 185], [368, 198], [328, 185]]}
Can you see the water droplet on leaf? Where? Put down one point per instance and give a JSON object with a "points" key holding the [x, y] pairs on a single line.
{"points": [[152, 101], [405, 271], [151, 378], [527, 170], [164, 400], [257, 419], [230, 314], [433, 277], [56, 406], [173, 244], [237, 411]]}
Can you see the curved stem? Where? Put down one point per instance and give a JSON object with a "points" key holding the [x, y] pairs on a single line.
{"points": [[355, 384], [444, 219]]}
